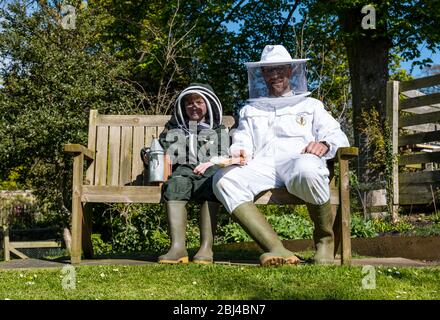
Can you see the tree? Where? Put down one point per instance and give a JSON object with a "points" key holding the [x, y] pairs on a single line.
{"points": [[52, 78], [401, 26]]}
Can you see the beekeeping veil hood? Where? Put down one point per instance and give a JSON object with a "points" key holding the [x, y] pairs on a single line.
{"points": [[267, 74], [213, 117]]}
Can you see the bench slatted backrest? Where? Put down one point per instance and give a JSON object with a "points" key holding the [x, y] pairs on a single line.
{"points": [[117, 140]]}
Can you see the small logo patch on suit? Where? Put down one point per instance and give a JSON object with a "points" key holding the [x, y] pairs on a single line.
{"points": [[301, 120]]}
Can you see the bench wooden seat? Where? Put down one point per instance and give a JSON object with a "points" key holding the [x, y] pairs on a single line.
{"points": [[114, 173]]}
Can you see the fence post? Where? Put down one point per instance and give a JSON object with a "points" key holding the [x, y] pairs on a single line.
{"points": [[392, 111], [5, 227]]}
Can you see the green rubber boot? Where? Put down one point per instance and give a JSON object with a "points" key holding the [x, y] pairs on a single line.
{"points": [[323, 236], [256, 225], [177, 219], [208, 223]]}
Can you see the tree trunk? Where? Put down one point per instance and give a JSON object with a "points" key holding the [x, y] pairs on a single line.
{"points": [[368, 57]]}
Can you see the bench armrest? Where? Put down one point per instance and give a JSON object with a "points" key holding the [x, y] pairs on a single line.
{"points": [[77, 148], [347, 153]]}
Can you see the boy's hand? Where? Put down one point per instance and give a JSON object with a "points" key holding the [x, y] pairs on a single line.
{"points": [[317, 148], [201, 168], [240, 154], [243, 157]]}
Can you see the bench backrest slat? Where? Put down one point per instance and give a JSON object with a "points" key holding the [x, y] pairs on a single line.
{"points": [[114, 153], [117, 140], [126, 155]]}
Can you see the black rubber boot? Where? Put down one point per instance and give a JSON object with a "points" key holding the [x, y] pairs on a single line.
{"points": [[177, 220], [256, 225], [323, 236], [208, 223]]}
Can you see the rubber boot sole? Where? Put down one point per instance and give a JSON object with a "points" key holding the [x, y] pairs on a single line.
{"points": [[274, 260], [292, 260], [197, 261], [183, 260], [271, 261]]}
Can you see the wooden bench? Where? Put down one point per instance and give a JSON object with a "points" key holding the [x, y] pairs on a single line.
{"points": [[115, 174]]}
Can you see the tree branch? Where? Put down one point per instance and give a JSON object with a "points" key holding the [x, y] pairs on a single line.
{"points": [[286, 23], [226, 18]]}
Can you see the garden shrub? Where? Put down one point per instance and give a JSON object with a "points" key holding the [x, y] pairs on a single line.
{"points": [[361, 228], [290, 222], [143, 227], [99, 246]]}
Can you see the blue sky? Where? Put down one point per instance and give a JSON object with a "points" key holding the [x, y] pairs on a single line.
{"points": [[425, 53]]}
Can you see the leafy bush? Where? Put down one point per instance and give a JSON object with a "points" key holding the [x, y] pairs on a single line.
{"points": [[232, 232], [99, 246], [289, 223], [427, 231], [361, 228], [292, 226], [384, 226], [141, 227], [52, 78]]}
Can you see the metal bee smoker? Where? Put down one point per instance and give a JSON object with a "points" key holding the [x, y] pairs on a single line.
{"points": [[155, 157]]}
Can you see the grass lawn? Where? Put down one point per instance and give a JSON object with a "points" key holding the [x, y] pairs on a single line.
{"points": [[220, 281]]}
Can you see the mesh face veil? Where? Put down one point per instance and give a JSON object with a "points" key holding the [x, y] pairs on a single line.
{"points": [[262, 79], [277, 75]]}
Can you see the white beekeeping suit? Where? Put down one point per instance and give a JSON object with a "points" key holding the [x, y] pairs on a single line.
{"points": [[277, 123]]}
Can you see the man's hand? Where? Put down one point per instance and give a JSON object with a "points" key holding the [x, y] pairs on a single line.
{"points": [[317, 148], [201, 168]]}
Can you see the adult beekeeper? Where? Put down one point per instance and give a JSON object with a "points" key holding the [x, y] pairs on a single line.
{"points": [[285, 138], [191, 138]]}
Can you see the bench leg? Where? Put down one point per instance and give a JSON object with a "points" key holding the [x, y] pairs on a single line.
{"points": [[337, 228], [345, 212], [77, 214], [87, 245], [77, 209]]}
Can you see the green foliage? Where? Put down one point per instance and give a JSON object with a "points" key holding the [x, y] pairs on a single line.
{"points": [[435, 217], [136, 227], [374, 131], [52, 78], [384, 226], [378, 140], [288, 222], [232, 232], [141, 227], [292, 226], [426, 231], [361, 228], [99, 246], [12, 181]]}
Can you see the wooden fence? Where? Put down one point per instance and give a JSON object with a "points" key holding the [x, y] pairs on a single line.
{"points": [[414, 119], [7, 199]]}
